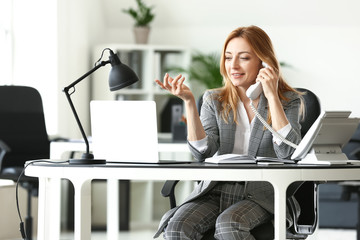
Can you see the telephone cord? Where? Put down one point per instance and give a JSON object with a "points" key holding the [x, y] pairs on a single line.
{"points": [[257, 114]]}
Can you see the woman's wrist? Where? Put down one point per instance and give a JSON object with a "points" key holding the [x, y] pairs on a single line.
{"points": [[190, 101]]}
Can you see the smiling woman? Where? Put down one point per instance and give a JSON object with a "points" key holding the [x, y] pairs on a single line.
{"points": [[227, 125]]}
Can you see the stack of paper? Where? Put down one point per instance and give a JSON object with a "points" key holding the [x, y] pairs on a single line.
{"points": [[238, 159]]}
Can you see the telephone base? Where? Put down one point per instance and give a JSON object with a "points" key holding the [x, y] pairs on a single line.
{"points": [[325, 155], [324, 159]]}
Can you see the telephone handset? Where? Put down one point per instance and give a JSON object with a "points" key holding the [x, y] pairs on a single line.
{"points": [[255, 90], [253, 93]]}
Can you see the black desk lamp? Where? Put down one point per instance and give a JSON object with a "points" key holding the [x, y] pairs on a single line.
{"points": [[120, 76]]}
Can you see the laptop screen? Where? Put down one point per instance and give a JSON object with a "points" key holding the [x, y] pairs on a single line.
{"points": [[124, 131]]}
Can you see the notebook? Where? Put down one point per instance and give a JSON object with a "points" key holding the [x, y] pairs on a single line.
{"points": [[125, 131]]}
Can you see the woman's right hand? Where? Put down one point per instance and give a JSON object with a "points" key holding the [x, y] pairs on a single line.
{"points": [[176, 87]]}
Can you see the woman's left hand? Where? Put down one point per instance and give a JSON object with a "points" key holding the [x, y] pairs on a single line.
{"points": [[269, 80]]}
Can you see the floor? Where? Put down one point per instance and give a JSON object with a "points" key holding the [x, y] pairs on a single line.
{"points": [[320, 234]]}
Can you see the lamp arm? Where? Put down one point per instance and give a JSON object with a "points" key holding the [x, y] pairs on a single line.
{"points": [[101, 64], [87, 155]]}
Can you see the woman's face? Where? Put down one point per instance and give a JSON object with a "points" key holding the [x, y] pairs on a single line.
{"points": [[241, 63]]}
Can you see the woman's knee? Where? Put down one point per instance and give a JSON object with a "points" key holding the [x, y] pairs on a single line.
{"points": [[179, 230], [184, 226], [231, 226], [239, 219], [232, 220]]}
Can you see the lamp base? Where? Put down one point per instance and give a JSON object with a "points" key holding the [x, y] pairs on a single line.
{"points": [[86, 161]]}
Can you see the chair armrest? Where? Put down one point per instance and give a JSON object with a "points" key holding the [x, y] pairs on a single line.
{"points": [[305, 199], [4, 148], [293, 188], [168, 191], [59, 139]]}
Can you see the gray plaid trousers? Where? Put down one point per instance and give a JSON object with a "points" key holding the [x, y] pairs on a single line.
{"points": [[226, 207]]}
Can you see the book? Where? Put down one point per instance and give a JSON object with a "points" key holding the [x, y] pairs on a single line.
{"points": [[270, 160], [230, 158], [245, 159]]}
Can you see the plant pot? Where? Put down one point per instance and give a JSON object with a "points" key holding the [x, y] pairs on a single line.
{"points": [[141, 34]]}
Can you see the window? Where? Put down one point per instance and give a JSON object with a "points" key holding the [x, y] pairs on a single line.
{"points": [[6, 42], [28, 50]]}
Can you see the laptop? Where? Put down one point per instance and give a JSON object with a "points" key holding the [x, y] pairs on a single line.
{"points": [[125, 132]]}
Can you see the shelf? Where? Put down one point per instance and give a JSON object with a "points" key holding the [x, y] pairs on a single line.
{"points": [[132, 92], [149, 63]]}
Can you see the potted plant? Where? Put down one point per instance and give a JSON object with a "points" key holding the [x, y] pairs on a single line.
{"points": [[143, 16], [204, 69]]}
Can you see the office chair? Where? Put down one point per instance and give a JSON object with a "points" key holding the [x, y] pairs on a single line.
{"points": [[23, 137], [305, 193]]}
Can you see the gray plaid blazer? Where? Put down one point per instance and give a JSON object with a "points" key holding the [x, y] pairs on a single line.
{"points": [[221, 137]]}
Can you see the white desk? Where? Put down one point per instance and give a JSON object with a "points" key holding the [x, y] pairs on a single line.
{"points": [[57, 149], [279, 176], [61, 150]]}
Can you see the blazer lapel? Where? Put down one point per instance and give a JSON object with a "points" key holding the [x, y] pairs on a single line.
{"points": [[228, 137], [258, 130]]}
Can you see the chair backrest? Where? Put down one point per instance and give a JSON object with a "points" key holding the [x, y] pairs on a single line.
{"points": [[312, 110], [22, 126]]}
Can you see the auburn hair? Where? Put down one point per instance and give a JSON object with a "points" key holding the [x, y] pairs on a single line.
{"points": [[261, 45]]}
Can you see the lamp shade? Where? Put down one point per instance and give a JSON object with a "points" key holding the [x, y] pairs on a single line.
{"points": [[120, 75]]}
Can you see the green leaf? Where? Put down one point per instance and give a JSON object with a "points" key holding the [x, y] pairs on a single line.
{"points": [[204, 68], [143, 15]]}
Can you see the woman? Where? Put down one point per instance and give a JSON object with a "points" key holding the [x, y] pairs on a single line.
{"points": [[228, 125]]}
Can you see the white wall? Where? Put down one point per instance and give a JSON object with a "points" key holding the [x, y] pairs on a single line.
{"points": [[325, 60], [319, 38], [9, 218], [77, 23]]}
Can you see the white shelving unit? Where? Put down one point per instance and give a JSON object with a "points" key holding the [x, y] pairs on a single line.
{"points": [[149, 62]]}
